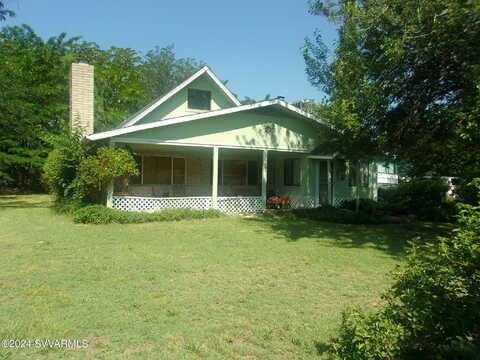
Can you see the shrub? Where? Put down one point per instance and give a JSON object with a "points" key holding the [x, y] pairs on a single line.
{"points": [[61, 166], [467, 191], [331, 214], [432, 311], [424, 198], [367, 336], [368, 206], [100, 214], [67, 206], [75, 169]]}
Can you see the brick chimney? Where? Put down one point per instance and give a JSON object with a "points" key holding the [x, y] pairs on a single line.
{"points": [[81, 98]]}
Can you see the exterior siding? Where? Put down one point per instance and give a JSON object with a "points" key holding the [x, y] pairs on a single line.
{"points": [[177, 105], [343, 191], [238, 130]]}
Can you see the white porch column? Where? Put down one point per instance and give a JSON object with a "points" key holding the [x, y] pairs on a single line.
{"points": [[329, 180], [215, 178], [264, 174], [317, 183], [110, 185]]}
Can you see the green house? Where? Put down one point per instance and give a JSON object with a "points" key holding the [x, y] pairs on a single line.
{"points": [[198, 147]]}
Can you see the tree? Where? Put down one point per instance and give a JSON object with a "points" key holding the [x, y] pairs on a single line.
{"points": [[247, 100], [34, 101], [34, 90], [4, 13], [404, 80], [162, 71]]}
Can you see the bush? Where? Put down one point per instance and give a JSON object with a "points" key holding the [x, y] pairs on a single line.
{"points": [[432, 311], [100, 214], [367, 336], [61, 166], [77, 170], [68, 206], [331, 214], [368, 206], [423, 198]]}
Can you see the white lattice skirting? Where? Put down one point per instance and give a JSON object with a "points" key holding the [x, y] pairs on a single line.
{"points": [[337, 201], [231, 205], [134, 203], [241, 205], [302, 202]]}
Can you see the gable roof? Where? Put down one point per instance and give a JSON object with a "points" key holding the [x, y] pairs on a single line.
{"points": [[153, 105], [279, 104]]}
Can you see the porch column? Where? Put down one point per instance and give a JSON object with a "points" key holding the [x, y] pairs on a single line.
{"points": [[329, 180], [317, 183], [264, 175], [110, 185], [215, 178]]}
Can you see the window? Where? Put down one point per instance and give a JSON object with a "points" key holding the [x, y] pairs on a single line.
{"points": [[199, 99], [160, 170], [178, 176], [234, 172], [157, 170], [238, 172], [364, 174], [386, 168], [291, 172], [252, 173]]}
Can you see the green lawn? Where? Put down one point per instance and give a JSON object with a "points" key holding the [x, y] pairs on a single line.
{"points": [[228, 288]]}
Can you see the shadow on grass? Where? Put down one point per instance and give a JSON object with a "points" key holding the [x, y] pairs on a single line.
{"points": [[23, 202], [321, 347], [390, 238]]}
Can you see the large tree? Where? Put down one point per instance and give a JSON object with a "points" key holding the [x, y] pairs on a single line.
{"points": [[34, 92], [404, 80]]}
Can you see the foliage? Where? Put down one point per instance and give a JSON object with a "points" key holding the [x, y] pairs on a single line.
{"points": [[99, 214], [162, 71], [68, 205], [424, 198], [34, 88], [368, 206], [107, 164], [328, 214], [432, 309], [78, 170], [4, 13], [248, 100], [467, 191], [404, 81], [60, 170]]}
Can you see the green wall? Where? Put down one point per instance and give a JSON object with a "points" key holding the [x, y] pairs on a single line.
{"points": [[176, 106], [247, 129]]}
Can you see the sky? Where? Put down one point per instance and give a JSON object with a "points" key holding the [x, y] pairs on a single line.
{"points": [[255, 45]]}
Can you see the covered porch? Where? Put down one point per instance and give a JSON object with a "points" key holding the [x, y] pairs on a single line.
{"points": [[232, 180]]}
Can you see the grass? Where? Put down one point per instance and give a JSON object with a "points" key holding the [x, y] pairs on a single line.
{"points": [[228, 288]]}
